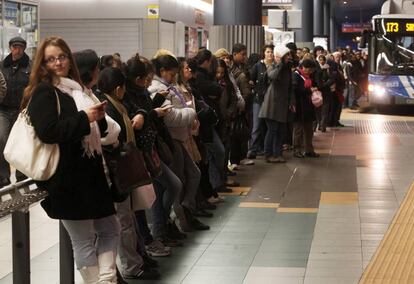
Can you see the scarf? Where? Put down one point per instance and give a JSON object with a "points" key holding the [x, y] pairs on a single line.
{"points": [[130, 135], [90, 143], [306, 78]]}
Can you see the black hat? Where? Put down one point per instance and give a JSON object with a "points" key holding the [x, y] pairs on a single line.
{"points": [[17, 41], [291, 46]]}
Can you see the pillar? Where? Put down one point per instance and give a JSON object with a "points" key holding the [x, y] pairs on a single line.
{"points": [[237, 21], [318, 19], [326, 17], [306, 33]]}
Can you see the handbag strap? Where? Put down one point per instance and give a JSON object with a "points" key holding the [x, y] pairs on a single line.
{"points": [[57, 102]]}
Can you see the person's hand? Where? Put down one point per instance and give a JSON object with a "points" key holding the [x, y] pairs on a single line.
{"points": [[138, 121], [164, 93], [162, 111], [96, 112], [195, 126], [292, 108]]}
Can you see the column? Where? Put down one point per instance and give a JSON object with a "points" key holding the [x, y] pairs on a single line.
{"points": [[237, 21], [306, 33], [326, 17], [318, 19]]}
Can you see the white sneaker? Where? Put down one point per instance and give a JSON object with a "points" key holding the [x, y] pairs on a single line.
{"points": [[233, 167], [247, 162]]}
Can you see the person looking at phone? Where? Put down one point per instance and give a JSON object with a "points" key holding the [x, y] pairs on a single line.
{"points": [[139, 73], [79, 195], [179, 121]]}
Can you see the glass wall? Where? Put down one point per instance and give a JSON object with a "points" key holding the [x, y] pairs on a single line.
{"points": [[19, 18]]}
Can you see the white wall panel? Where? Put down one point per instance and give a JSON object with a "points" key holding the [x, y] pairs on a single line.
{"points": [[95, 9], [104, 36], [167, 36]]}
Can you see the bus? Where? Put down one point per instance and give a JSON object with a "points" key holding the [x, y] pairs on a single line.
{"points": [[391, 60]]}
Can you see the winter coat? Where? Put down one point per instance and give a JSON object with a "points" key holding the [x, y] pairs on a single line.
{"points": [[279, 95], [206, 115], [242, 81], [79, 189], [305, 111], [180, 118], [258, 74], [17, 76]]}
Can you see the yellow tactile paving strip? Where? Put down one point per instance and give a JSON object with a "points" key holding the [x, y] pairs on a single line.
{"points": [[393, 261], [237, 191], [258, 205], [296, 210], [339, 198]]}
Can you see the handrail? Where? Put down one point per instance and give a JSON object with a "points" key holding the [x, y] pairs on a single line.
{"points": [[21, 196]]}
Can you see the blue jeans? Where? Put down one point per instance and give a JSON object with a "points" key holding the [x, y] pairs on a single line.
{"points": [[7, 118], [167, 187], [258, 131], [274, 138], [215, 156], [188, 173], [354, 93]]}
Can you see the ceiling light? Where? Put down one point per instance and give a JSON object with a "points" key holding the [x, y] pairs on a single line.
{"points": [[345, 2]]}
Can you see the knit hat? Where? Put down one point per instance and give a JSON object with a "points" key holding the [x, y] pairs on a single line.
{"points": [[17, 41], [281, 50]]}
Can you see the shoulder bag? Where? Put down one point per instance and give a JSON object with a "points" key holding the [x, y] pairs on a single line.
{"points": [[127, 170], [27, 153]]}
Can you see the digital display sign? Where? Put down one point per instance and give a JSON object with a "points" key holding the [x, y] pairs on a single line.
{"points": [[397, 26]]}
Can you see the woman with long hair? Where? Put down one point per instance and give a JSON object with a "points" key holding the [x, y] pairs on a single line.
{"points": [[61, 113]]}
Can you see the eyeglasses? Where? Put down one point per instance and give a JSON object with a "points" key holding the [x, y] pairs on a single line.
{"points": [[53, 60]]}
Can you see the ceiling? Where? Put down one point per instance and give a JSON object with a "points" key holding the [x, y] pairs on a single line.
{"points": [[355, 11]]}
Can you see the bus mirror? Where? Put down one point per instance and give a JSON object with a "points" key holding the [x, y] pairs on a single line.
{"points": [[364, 39]]}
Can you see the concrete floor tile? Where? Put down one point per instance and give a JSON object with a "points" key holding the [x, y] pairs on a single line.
{"points": [[216, 274], [330, 280]]}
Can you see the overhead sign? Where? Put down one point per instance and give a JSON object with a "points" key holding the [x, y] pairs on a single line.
{"points": [[276, 20], [355, 27], [153, 11]]}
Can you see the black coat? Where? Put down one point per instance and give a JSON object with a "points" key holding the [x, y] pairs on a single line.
{"points": [[17, 78], [305, 111], [78, 190], [137, 100], [258, 74]]}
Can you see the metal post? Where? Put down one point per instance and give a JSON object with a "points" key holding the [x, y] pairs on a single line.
{"points": [[67, 273], [21, 247], [285, 21]]}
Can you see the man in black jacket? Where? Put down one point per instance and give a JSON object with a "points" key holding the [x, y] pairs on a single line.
{"points": [[16, 70]]}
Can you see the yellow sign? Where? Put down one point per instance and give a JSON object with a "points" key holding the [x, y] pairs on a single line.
{"points": [[392, 27], [409, 27], [153, 11]]}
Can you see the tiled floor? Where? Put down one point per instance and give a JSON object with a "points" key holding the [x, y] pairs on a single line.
{"points": [[307, 221]]}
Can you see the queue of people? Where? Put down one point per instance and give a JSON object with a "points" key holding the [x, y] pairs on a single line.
{"points": [[194, 121]]}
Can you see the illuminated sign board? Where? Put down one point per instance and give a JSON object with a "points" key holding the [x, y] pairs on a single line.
{"points": [[396, 26]]}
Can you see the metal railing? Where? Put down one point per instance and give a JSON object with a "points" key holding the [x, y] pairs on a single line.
{"points": [[15, 200]]}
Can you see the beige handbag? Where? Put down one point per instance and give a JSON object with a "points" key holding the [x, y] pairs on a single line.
{"points": [[25, 152]]}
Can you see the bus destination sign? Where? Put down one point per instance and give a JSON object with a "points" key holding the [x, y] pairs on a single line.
{"points": [[398, 26]]}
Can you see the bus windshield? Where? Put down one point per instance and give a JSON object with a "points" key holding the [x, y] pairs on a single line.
{"points": [[394, 55]]}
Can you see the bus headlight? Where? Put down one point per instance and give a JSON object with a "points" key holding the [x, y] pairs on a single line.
{"points": [[379, 91]]}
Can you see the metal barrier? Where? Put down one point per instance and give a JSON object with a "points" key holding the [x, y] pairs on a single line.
{"points": [[15, 200]]}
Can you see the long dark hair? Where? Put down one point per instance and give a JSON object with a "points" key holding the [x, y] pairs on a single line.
{"points": [[39, 71], [135, 68], [109, 79], [229, 84], [87, 61]]}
